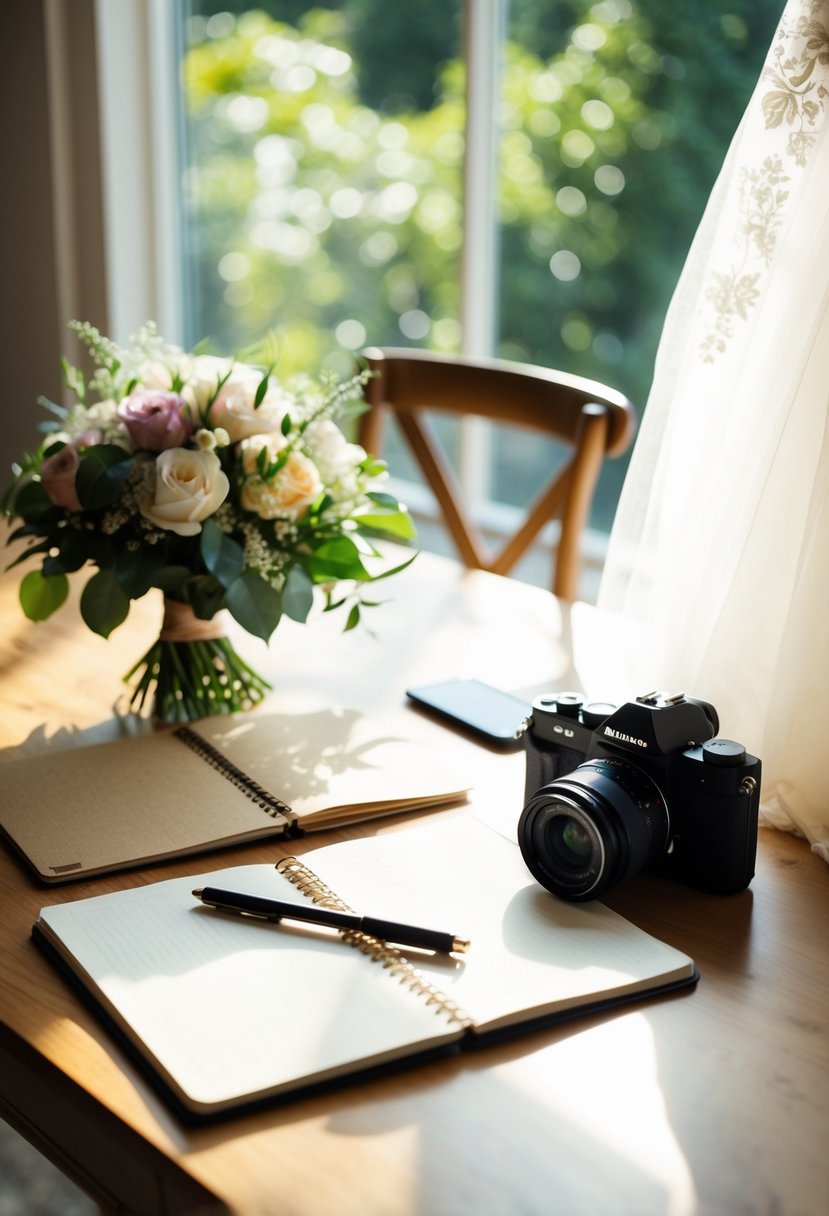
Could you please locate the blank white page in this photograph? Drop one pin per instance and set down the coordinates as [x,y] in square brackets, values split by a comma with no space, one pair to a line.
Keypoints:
[531,952]
[229,1006]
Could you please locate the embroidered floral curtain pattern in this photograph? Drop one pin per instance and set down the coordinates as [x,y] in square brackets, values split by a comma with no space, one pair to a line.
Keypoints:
[721,540]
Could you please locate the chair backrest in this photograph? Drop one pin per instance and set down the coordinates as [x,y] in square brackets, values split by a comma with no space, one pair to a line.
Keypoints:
[591,419]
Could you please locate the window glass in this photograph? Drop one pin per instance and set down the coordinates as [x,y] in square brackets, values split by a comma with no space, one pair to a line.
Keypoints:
[323,180]
[324,153]
[615,119]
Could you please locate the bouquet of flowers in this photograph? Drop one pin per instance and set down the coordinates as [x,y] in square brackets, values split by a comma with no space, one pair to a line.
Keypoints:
[209,479]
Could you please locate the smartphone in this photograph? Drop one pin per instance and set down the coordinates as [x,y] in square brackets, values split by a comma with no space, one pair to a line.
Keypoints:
[491,715]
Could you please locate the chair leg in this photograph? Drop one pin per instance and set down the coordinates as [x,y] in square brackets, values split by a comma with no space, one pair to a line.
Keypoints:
[584,473]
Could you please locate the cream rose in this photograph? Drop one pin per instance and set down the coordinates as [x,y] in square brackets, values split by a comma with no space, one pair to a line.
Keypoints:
[286,495]
[189,486]
[250,448]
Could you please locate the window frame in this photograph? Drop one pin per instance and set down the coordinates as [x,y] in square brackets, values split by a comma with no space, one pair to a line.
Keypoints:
[142,145]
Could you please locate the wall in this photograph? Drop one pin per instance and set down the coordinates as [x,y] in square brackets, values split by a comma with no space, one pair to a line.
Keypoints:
[51,240]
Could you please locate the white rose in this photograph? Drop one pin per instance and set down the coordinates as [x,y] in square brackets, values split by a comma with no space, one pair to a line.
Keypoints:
[156,375]
[286,495]
[189,486]
[201,375]
[234,407]
[331,452]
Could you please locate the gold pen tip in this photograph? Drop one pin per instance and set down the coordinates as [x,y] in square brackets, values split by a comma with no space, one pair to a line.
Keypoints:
[199,891]
[460,945]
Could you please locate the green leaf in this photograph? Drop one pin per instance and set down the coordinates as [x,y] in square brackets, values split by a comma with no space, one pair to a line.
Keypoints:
[222,555]
[353,619]
[33,551]
[261,389]
[334,560]
[137,571]
[397,524]
[101,475]
[73,552]
[206,596]
[297,594]
[104,605]
[41,596]
[373,466]
[33,504]
[285,425]
[384,500]
[171,580]
[376,578]
[254,604]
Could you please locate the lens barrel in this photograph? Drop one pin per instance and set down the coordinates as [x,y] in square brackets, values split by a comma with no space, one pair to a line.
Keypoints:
[584,833]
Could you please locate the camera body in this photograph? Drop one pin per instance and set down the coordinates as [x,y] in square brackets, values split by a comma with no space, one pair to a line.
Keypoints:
[611,791]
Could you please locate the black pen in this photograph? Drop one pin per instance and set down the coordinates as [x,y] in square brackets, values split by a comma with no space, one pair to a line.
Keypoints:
[313,914]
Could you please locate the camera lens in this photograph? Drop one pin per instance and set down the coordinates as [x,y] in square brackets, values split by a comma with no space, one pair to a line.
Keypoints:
[583,833]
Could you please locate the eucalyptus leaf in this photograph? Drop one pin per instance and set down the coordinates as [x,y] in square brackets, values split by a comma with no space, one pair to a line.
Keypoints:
[254,604]
[41,596]
[104,605]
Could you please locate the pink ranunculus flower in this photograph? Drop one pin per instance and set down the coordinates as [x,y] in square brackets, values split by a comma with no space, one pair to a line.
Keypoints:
[156,421]
[57,476]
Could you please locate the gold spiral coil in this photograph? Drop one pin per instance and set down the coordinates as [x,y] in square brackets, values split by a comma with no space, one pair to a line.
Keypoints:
[236,776]
[389,957]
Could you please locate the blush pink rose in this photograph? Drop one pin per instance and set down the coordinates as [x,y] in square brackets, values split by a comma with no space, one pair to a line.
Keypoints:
[57,476]
[156,421]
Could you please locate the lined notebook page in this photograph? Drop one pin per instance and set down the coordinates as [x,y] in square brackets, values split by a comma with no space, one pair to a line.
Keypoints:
[228,1007]
[531,953]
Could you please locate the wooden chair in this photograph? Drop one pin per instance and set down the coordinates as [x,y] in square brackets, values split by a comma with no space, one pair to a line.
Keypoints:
[589,418]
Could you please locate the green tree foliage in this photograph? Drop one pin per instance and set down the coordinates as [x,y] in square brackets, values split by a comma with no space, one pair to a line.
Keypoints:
[326,159]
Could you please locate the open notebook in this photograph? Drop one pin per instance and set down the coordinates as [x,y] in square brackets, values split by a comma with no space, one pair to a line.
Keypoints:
[228,1011]
[217,782]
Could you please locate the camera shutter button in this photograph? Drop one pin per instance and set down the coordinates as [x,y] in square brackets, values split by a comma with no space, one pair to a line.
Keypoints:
[724,753]
[596,712]
[568,704]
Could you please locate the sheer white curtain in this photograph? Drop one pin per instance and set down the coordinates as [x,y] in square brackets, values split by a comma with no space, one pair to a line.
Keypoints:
[721,541]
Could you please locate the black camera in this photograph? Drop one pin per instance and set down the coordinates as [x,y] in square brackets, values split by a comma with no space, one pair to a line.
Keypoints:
[646,786]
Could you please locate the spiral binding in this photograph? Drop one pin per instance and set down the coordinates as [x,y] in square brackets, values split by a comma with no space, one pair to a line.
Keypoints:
[379,951]
[252,789]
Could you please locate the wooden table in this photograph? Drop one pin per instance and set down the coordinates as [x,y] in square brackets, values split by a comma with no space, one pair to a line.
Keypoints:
[713,1101]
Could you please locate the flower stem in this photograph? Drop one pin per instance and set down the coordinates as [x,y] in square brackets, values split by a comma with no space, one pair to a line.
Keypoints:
[189,680]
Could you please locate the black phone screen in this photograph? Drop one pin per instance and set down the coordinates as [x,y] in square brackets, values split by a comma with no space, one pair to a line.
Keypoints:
[494,715]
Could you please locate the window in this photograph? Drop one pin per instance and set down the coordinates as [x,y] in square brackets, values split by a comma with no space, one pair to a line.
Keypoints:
[331,174]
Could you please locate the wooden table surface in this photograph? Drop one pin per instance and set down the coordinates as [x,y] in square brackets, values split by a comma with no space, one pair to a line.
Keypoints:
[712,1101]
